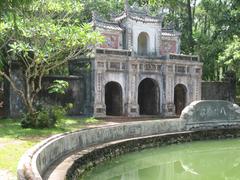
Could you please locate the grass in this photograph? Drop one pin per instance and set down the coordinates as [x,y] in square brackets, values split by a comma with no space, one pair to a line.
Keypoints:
[10,155]
[14,140]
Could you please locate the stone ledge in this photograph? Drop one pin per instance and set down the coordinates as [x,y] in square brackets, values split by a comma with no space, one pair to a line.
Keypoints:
[87,159]
[35,163]
[198,116]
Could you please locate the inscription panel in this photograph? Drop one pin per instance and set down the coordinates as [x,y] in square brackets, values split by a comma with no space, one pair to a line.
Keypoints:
[180,69]
[115,65]
[100,64]
[150,67]
[134,66]
[211,110]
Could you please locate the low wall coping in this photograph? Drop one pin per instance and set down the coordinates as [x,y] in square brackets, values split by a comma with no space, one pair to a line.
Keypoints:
[36,161]
[199,115]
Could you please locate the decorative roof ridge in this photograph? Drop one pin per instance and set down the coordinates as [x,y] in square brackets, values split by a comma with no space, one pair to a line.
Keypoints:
[135,10]
[96,18]
[170,32]
[99,21]
[168,29]
[118,17]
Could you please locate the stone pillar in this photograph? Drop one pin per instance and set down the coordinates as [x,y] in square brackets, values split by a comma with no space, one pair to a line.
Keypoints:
[16,105]
[168,106]
[197,83]
[129,41]
[133,109]
[158,43]
[99,89]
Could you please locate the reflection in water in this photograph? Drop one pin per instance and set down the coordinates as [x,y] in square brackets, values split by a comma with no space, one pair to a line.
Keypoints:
[179,167]
[206,160]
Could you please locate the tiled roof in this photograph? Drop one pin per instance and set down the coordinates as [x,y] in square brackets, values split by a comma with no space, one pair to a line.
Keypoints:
[108,25]
[98,21]
[145,18]
[167,32]
[139,14]
[138,17]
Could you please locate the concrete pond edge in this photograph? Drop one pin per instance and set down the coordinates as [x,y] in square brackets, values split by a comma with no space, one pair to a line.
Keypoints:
[85,160]
[36,161]
[196,118]
[85,157]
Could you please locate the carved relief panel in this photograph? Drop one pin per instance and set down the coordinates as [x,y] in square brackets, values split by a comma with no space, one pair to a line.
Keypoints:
[168,46]
[111,41]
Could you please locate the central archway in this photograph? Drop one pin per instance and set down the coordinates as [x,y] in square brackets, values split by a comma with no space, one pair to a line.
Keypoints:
[113,99]
[180,98]
[143,43]
[148,97]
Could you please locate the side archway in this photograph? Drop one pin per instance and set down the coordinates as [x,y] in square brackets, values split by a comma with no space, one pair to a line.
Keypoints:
[180,98]
[113,99]
[148,97]
[143,44]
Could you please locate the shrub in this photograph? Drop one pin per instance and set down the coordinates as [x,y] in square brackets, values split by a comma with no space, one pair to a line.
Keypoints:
[43,118]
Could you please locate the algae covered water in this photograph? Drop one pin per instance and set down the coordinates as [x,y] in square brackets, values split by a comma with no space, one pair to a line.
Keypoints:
[203,160]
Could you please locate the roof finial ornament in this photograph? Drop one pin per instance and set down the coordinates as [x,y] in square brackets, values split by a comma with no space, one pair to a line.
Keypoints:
[93,15]
[126,5]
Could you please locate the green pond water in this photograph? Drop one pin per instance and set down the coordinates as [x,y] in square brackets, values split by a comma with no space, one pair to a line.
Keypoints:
[203,160]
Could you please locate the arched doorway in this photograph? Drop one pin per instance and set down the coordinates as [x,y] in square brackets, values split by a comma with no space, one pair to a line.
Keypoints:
[113,99]
[180,92]
[148,97]
[143,43]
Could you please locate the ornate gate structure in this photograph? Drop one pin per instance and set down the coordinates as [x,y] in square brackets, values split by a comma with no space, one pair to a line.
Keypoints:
[141,65]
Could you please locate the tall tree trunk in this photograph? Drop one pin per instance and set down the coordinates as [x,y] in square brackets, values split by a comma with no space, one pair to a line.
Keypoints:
[205,25]
[190,24]
[193,10]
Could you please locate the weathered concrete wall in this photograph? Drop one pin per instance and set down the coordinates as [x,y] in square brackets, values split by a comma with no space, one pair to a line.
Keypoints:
[42,156]
[87,159]
[84,67]
[200,116]
[217,91]
[221,90]
[73,94]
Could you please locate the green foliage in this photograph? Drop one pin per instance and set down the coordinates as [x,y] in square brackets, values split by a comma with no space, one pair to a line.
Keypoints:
[11,129]
[16,140]
[44,118]
[42,36]
[230,57]
[104,7]
[58,87]
[214,23]
[46,34]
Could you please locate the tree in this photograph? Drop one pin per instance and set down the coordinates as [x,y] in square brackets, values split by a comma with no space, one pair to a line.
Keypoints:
[42,37]
[230,57]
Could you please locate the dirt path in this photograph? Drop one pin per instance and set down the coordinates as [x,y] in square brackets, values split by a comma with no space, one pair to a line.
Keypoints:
[5,143]
[6,175]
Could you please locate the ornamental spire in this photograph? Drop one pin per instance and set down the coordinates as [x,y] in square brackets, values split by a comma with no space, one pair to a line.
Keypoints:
[126,5]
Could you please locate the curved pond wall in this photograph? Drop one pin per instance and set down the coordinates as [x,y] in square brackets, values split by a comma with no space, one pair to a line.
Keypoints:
[85,160]
[35,163]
